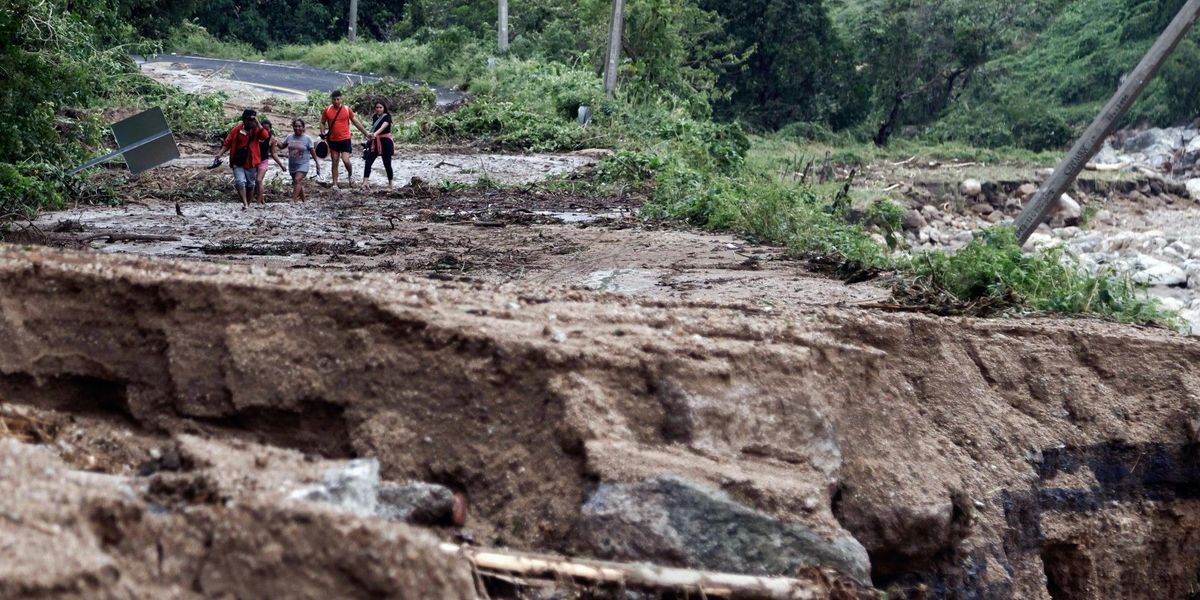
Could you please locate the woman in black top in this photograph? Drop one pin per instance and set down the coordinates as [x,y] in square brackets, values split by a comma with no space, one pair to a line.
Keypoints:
[266,149]
[380,144]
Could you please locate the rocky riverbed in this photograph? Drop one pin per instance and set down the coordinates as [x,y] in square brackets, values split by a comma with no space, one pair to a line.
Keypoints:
[1139,224]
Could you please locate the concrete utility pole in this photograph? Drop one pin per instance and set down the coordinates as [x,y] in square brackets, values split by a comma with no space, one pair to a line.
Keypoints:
[353,20]
[1087,146]
[503,27]
[614,47]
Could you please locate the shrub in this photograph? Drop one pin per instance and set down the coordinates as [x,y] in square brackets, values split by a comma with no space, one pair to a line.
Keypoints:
[400,97]
[992,275]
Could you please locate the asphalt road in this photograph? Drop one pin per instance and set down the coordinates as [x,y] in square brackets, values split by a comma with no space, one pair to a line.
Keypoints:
[296,79]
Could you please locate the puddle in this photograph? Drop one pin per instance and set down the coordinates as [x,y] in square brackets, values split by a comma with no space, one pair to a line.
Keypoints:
[623,281]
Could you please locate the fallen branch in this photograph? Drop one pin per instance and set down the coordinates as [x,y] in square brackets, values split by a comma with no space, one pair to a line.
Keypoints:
[654,578]
[1107,167]
[128,237]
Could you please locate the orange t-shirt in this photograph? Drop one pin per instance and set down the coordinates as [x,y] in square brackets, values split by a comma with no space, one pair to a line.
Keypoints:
[340,127]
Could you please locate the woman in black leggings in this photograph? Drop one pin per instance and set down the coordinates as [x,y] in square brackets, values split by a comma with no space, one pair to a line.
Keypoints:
[381,144]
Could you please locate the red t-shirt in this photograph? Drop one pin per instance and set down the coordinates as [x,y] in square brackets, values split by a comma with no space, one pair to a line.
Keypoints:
[340,128]
[238,138]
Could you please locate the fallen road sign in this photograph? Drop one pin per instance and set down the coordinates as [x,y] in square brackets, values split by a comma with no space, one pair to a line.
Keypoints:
[144,139]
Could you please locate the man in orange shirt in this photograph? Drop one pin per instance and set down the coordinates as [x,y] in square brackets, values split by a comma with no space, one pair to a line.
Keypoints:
[243,146]
[339,117]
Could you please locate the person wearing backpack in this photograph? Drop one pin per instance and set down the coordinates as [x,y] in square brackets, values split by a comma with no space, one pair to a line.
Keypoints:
[245,153]
[338,116]
[266,149]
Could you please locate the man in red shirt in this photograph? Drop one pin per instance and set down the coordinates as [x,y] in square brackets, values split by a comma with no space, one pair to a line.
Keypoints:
[243,146]
[339,117]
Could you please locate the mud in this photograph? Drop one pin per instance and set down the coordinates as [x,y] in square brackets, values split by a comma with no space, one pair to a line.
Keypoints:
[940,445]
[533,237]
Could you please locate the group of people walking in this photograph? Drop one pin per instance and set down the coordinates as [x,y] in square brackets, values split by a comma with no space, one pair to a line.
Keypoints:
[252,143]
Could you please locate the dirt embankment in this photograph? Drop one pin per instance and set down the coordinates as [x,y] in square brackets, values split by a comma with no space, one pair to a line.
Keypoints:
[1001,459]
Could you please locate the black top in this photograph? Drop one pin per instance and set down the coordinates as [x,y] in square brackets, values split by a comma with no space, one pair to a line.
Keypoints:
[381,119]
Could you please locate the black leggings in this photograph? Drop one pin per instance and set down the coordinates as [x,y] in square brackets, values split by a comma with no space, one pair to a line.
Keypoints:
[387,165]
[386,156]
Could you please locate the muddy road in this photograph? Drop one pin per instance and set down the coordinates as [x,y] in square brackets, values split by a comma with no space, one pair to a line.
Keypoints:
[510,235]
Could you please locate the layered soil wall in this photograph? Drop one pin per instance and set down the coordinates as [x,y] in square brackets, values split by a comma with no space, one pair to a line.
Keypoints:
[984,459]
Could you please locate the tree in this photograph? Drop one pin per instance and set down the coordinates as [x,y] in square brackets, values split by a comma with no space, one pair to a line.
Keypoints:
[799,69]
[916,55]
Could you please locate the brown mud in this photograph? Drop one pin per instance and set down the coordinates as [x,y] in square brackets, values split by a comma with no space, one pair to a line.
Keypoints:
[991,459]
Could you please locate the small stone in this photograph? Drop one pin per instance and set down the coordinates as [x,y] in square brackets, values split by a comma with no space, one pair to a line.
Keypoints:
[983,208]
[1027,190]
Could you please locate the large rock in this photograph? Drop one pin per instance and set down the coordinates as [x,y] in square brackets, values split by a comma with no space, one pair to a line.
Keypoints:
[416,502]
[671,521]
[970,187]
[352,488]
[1152,271]
[1068,209]
[913,221]
[1193,188]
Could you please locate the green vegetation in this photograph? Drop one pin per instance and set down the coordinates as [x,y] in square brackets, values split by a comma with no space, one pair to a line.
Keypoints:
[62,68]
[857,81]
[992,275]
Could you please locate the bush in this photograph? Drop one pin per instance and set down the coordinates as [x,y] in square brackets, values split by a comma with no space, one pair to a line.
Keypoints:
[190,38]
[399,97]
[992,275]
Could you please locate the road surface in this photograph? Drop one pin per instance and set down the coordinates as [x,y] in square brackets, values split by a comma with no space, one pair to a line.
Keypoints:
[284,78]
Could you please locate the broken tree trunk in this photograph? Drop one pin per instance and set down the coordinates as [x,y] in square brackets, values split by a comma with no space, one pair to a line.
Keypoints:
[654,578]
[1089,144]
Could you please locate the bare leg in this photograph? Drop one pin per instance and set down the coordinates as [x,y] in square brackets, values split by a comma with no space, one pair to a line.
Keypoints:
[260,175]
[335,156]
[242,194]
[349,173]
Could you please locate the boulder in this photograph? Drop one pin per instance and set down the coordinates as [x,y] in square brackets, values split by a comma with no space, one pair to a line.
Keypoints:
[970,187]
[351,487]
[1068,208]
[672,521]
[354,487]
[1193,188]
[416,502]
[913,221]
[1152,271]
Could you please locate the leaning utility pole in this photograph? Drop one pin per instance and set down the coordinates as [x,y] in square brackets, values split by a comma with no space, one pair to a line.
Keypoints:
[353,20]
[503,27]
[1088,145]
[614,47]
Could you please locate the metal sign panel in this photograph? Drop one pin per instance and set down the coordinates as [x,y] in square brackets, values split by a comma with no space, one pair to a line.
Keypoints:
[157,144]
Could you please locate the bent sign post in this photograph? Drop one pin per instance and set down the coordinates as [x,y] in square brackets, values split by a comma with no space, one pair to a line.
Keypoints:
[144,139]
[1089,144]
